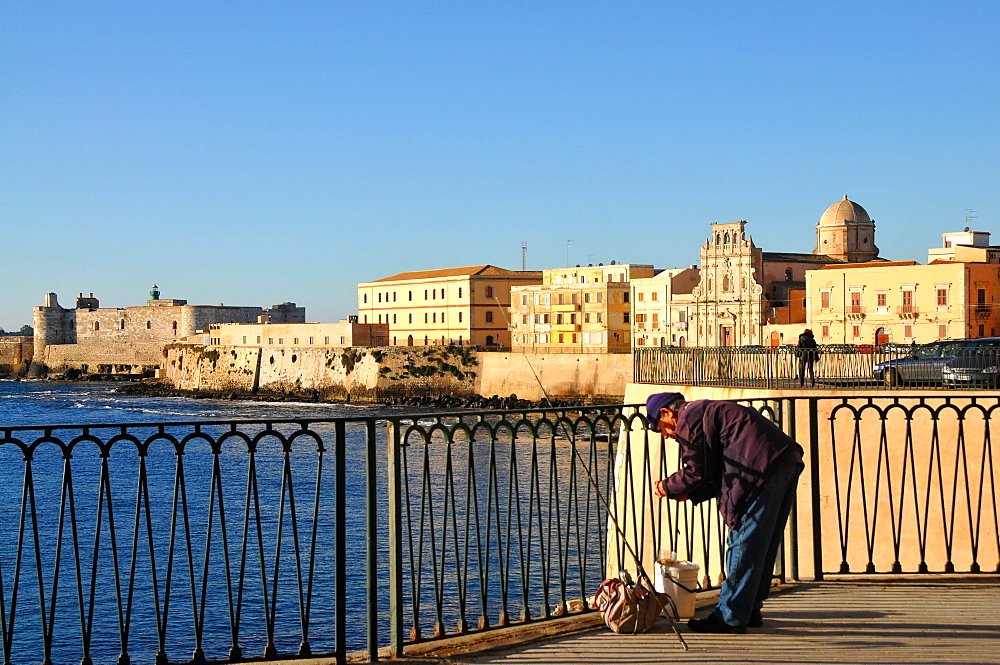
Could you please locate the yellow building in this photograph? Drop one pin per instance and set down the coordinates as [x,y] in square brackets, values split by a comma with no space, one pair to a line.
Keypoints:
[902,301]
[661,307]
[466,305]
[344,333]
[581,309]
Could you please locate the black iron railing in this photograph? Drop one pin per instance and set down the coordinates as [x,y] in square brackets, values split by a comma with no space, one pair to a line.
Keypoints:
[177,542]
[174,541]
[784,367]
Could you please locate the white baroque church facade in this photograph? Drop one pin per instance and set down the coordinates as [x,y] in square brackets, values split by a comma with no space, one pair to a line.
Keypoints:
[743,290]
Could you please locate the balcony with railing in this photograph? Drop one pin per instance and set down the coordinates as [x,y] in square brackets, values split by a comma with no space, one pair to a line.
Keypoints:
[226,540]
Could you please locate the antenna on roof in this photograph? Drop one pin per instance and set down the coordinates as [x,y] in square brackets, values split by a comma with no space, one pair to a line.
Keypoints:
[524,255]
[969,216]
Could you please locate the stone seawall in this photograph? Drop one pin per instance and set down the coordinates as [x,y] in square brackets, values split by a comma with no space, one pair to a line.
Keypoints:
[355,373]
[387,373]
[15,355]
[600,375]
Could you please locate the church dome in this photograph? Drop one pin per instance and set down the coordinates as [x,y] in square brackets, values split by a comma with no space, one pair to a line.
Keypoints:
[844,212]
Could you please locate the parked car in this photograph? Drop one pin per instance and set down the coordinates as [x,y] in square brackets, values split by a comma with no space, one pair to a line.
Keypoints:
[923,365]
[977,363]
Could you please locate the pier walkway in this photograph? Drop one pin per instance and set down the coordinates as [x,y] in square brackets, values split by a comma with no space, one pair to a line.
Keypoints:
[854,622]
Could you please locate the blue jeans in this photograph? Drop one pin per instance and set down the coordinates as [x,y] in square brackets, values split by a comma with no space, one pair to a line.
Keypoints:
[753,543]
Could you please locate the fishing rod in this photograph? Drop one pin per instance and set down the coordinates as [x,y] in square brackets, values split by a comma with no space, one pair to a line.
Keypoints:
[640,570]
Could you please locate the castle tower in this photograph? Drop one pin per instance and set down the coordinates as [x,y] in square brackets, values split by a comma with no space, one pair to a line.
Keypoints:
[53,325]
[846,233]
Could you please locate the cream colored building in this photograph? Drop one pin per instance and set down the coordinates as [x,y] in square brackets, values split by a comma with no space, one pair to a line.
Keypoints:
[965,246]
[345,333]
[465,305]
[903,302]
[581,309]
[661,307]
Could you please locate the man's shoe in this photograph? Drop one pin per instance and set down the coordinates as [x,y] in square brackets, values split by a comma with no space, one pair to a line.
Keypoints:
[756,620]
[714,624]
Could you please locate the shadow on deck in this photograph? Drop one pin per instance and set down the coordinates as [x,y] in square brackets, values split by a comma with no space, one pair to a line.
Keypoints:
[912,621]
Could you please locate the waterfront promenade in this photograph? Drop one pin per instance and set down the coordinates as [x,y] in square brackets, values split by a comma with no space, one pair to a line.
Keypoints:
[924,620]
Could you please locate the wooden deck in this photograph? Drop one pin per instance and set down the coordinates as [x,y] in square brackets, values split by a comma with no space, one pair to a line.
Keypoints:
[915,621]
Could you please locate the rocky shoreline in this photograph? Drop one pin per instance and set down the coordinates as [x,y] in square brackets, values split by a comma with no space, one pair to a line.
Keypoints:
[156,388]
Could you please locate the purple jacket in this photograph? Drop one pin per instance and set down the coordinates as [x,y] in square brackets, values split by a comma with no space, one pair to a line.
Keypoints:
[727,451]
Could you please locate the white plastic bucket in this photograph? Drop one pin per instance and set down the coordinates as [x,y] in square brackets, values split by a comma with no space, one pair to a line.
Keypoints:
[685,574]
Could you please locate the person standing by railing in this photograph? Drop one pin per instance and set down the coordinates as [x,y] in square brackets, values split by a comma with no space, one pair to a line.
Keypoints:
[807,352]
[732,453]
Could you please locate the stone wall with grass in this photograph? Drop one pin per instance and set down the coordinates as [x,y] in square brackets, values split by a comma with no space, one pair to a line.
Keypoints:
[353,373]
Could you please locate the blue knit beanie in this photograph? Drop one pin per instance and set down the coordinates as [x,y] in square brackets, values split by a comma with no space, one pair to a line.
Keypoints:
[655,403]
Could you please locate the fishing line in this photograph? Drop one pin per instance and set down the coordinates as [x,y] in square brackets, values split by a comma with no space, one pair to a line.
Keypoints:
[597,489]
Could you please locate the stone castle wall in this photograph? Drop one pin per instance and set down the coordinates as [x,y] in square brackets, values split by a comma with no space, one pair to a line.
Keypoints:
[131,337]
[105,357]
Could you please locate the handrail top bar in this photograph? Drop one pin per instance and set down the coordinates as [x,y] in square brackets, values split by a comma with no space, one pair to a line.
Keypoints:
[309,421]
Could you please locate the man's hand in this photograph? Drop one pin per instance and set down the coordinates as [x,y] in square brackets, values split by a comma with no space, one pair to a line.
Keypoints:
[660,490]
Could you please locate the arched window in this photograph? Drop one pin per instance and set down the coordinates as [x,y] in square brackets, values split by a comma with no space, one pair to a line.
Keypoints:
[411,321]
[788,274]
[380,297]
[149,325]
[364,298]
[460,292]
[174,327]
[727,237]
[442,294]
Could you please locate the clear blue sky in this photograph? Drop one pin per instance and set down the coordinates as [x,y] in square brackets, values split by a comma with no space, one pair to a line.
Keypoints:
[256,152]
